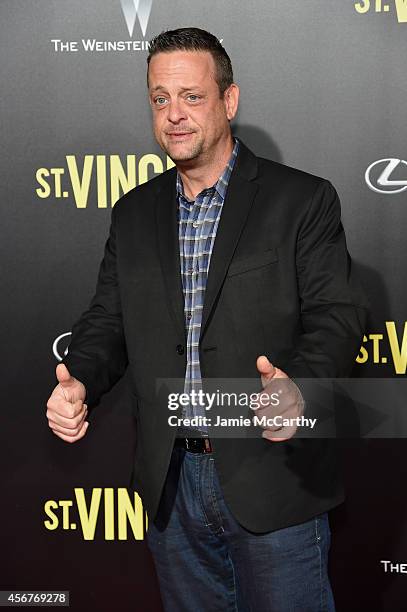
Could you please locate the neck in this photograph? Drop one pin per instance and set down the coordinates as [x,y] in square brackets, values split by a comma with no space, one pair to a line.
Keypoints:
[205,172]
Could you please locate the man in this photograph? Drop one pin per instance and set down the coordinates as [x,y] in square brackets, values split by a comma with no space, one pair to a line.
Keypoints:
[220,268]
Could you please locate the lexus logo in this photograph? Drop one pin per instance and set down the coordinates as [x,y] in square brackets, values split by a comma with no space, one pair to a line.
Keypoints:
[381,181]
[60,346]
[133,8]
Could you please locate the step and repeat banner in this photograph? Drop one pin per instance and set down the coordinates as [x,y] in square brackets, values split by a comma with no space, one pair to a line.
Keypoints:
[324,89]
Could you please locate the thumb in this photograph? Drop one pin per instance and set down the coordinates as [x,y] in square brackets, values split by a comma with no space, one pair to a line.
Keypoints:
[266,369]
[63,374]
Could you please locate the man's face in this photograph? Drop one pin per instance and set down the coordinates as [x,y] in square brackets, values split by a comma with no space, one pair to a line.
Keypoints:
[189,117]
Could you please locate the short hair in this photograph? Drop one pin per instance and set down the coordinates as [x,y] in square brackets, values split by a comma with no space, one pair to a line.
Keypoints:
[195,39]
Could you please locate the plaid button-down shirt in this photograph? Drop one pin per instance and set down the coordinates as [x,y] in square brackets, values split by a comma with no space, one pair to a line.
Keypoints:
[198,223]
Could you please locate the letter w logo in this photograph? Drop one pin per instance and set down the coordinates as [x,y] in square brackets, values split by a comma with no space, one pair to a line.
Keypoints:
[133,8]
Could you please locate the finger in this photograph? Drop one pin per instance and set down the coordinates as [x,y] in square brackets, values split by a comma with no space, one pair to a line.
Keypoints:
[57,405]
[283,434]
[74,409]
[284,406]
[73,438]
[68,385]
[270,436]
[271,415]
[279,373]
[60,409]
[269,425]
[262,401]
[65,430]
[63,375]
[270,397]
[67,424]
[69,410]
[264,366]
[266,369]
[269,412]
[284,392]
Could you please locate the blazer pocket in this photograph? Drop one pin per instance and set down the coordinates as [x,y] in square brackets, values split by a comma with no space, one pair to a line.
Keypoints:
[257,260]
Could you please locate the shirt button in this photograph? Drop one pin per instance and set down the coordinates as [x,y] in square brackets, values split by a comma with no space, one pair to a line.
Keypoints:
[195,224]
[180,349]
[189,315]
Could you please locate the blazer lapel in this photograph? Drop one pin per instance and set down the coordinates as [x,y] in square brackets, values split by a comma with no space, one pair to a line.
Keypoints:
[168,246]
[236,207]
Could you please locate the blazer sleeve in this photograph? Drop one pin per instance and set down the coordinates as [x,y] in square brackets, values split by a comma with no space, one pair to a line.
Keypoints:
[333,305]
[97,354]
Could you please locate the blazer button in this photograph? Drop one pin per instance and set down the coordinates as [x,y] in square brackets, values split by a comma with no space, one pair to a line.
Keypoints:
[180,349]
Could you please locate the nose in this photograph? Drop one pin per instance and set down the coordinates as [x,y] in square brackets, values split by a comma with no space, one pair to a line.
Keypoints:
[175,112]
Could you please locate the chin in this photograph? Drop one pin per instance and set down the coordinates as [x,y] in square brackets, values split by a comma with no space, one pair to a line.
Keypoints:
[178,154]
[181,157]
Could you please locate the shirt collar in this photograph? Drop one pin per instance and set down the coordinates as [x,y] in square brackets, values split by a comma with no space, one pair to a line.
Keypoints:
[221,184]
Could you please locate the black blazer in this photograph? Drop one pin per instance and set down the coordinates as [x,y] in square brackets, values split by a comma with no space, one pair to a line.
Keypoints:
[279,284]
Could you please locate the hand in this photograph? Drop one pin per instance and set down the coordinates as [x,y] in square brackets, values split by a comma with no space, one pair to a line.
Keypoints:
[291,403]
[66,411]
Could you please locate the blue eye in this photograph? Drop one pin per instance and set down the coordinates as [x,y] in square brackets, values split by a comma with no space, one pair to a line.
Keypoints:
[160,100]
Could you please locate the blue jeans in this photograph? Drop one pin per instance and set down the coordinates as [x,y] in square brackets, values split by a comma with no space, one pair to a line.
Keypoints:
[207,562]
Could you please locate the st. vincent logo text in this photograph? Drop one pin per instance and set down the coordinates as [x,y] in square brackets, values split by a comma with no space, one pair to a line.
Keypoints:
[110,509]
[106,173]
[383,6]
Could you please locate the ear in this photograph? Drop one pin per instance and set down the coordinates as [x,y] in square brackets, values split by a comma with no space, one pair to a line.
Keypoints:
[231,99]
